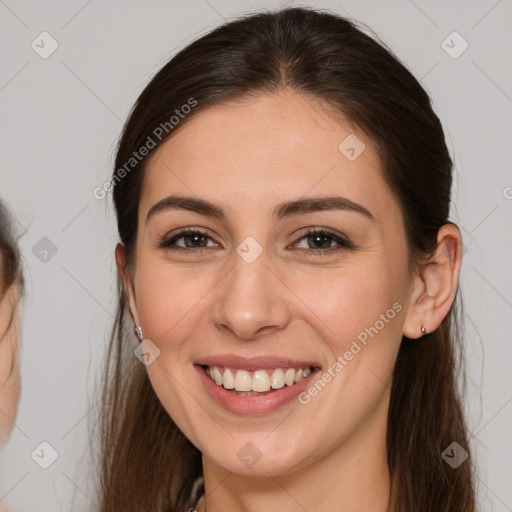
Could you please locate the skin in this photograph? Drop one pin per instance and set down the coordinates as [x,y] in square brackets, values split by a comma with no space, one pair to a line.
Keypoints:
[10,386]
[247,156]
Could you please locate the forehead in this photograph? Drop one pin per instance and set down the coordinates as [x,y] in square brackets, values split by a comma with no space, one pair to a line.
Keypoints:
[255,152]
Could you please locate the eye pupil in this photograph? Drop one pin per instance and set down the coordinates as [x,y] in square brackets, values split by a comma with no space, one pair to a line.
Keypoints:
[320,238]
[196,238]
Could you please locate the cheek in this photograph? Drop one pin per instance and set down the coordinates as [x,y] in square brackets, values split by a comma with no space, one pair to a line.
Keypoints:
[168,301]
[361,320]
[357,303]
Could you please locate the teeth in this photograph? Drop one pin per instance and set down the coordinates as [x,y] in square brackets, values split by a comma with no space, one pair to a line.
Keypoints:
[243,381]
[277,380]
[259,382]
[217,376]
[289,377]
[228,379]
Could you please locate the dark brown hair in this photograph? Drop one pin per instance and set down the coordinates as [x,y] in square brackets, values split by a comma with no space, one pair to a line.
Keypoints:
[10,269]
[147,463]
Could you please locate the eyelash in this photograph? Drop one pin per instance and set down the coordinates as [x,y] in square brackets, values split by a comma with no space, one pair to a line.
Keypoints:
[343,242]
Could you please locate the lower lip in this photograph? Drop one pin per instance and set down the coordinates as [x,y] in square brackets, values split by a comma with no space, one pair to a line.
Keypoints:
[254,404]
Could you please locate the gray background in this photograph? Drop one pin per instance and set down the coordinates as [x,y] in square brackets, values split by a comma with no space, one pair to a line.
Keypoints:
[60,119]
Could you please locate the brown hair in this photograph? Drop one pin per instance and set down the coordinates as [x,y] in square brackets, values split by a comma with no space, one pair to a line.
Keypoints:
[10,270]
[147,463]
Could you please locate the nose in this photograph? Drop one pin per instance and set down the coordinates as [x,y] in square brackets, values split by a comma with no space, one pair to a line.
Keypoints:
[252,301]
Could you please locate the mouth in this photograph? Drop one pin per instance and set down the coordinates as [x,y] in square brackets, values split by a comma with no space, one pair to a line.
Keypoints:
[255,388]
[258,382]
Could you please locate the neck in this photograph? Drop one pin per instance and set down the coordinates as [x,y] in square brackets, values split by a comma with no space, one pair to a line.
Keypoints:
[354,476]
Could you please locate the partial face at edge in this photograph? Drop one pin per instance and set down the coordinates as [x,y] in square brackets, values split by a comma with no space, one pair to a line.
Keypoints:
[291,301]
[10,385]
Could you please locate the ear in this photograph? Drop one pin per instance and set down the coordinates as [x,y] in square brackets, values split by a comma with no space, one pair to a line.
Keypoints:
[127,282]
[434,288]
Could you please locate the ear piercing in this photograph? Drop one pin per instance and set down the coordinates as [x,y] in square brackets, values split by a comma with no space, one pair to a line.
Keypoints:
[138,332]
[423,330]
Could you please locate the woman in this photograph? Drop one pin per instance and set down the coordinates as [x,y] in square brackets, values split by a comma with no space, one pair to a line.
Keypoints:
[282,189]
[10,287]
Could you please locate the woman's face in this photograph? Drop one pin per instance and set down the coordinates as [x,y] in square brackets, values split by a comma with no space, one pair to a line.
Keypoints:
[9,375]
[257,297]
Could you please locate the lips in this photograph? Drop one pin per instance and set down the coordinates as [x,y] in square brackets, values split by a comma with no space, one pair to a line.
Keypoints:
[255,363]
[256,385]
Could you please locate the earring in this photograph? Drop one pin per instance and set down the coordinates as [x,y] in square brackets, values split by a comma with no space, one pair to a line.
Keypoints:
[423,330]
[138,332]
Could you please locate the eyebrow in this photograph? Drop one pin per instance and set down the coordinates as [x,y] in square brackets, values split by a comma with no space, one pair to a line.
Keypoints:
[281,211]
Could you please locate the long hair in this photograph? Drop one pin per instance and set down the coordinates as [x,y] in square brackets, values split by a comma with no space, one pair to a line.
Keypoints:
[146,462]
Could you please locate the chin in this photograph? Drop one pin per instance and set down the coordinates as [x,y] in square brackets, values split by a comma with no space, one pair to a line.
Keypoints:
[257,455]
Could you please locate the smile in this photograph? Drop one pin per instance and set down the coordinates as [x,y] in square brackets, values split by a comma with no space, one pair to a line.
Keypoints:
[247,383]
[254,386]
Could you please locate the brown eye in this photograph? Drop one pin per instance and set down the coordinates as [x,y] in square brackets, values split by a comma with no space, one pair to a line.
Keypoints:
[321,240]
[193,239]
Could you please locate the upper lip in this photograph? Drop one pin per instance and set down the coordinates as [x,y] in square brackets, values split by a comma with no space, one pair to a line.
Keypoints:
[254,363]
